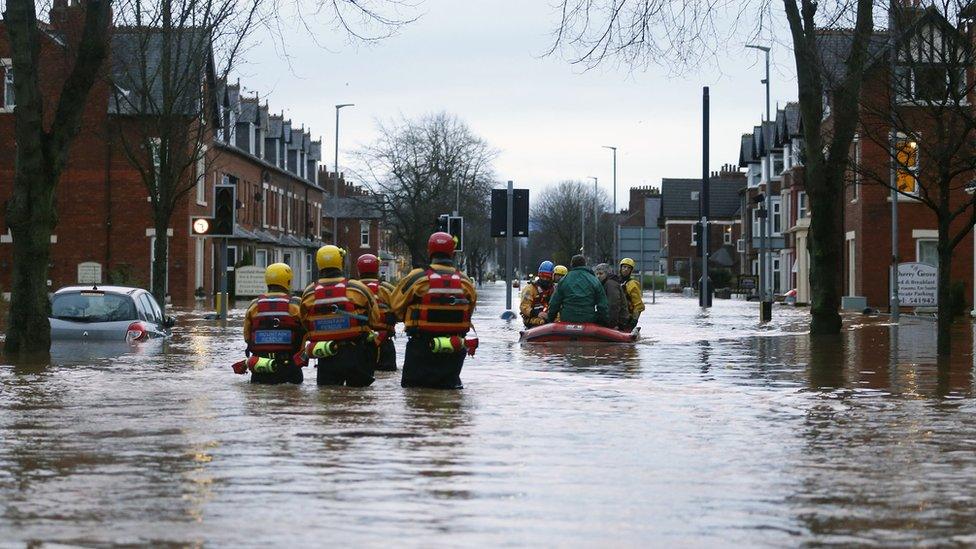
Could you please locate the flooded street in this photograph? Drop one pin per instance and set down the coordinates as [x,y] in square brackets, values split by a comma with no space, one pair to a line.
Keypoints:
[712,430]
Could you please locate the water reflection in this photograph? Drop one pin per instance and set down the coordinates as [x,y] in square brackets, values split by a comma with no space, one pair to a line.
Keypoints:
[762,433]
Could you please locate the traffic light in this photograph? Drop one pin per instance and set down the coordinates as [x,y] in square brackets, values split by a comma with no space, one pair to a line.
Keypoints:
[225,210]
[201,226]
[455,227]
[697,237]
[442,223]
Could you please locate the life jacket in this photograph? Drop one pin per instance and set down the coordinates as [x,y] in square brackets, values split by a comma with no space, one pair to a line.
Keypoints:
[542,296]
[444,309]
[385,311]
[272,328]
[333,316]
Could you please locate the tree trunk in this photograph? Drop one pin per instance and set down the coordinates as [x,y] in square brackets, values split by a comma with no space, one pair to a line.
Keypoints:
[160,260]
[826,246]
[944,338]
[29,331]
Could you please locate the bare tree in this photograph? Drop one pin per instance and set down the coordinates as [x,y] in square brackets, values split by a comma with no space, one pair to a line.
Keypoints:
[421,166]
[165,82]
[830,42]
[922,119]
[42,150]
[44,134]
[559,215]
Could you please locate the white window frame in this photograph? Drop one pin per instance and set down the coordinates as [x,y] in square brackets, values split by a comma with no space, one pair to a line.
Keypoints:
[777,274]
[918,250]
[756,228]
[795,150]
[198,255]
[281,209]
[776,175]
[913,170]
[851,266]
[776,204]
[202,176]
[364,230]
[231,251]
[740,245]
[802,205]
[857,169]
[261,258]
[7,88]
[289,201]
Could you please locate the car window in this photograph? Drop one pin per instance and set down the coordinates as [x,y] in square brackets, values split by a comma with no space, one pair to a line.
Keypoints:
[145,313]
[155,307]
[93,306]
[148,306]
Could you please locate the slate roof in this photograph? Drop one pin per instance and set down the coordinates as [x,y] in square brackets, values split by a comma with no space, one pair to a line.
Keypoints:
[747,151]
[677,202]
[794,126]
[315,151]
[835,45]
[274,126]
[137,72]
[249,110]
[365,207]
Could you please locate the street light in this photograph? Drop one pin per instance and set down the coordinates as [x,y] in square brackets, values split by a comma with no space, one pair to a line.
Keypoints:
[616,245]
[335,178]
[595,231]
[765,255]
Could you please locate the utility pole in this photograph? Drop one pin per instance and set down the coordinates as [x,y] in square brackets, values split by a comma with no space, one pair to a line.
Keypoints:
[596,232]
[509,227]
[616,234]
[766,230]
[704,296]
[335,178]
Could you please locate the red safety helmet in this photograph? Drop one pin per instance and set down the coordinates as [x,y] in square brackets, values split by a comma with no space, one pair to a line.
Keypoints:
[368,264]
[440,243]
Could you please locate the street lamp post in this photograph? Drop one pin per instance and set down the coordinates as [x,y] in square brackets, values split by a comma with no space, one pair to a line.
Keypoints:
[616,242]
[335,178]
[765,252]
[596,232]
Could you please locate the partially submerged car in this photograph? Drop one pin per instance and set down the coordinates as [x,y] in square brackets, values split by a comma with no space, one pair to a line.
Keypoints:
[107,313]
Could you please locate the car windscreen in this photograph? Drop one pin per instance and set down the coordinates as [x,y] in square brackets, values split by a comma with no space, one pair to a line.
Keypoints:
[93,307]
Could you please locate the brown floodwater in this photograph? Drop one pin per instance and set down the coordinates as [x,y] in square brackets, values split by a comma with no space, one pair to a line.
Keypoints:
[712,430]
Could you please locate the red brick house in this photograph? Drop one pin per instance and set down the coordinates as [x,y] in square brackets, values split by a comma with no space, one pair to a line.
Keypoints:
[359,214]
[868,204]
[105,221]
[680,253]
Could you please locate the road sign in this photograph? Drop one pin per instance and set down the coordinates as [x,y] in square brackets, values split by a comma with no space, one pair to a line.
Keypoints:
[520,212]
[918,285]
[201,226]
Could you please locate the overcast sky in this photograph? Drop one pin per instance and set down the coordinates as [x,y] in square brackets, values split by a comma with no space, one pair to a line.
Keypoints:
[482,61]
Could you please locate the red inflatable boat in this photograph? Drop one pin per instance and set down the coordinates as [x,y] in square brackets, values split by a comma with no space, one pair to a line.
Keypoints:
[583,333]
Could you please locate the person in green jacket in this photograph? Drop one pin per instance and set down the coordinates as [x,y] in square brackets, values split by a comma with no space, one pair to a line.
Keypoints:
[579,297]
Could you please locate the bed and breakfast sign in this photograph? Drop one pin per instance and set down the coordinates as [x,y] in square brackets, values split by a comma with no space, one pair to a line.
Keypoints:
[918,285]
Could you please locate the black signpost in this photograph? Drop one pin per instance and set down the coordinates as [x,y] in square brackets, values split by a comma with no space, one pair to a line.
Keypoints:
[509,218]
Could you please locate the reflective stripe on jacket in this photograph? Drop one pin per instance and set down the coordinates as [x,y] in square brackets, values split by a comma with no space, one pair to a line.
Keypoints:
[273,324]
[437,300]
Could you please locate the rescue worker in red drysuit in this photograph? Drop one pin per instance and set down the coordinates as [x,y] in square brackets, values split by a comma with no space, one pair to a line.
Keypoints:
[340,317]
[435,305]
[535,296]
[368,266]
[273,331]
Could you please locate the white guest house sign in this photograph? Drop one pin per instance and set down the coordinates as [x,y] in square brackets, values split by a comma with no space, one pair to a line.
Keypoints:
[918,285]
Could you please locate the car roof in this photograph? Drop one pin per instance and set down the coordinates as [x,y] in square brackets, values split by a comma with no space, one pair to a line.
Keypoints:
[108,289]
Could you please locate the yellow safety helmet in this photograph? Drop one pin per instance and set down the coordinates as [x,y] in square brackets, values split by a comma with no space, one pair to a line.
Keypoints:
[329,257]
[628,262]
[560,270]
[278,274]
